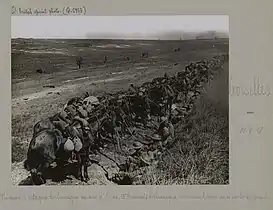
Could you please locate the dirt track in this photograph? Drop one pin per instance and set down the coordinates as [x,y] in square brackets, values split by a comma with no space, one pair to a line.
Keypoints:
[31,102]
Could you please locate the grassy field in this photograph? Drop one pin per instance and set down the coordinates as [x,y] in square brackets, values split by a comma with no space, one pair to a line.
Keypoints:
[206,146]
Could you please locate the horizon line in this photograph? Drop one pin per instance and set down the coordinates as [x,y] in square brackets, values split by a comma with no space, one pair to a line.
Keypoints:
[151,36]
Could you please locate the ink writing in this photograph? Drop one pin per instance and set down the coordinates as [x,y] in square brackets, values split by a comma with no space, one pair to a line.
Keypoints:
[257,88]
[48,11]
[250,130]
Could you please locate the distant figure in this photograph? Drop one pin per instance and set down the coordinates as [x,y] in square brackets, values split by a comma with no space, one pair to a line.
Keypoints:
[79,60]
[144,54]
[105,59]
[40,71]
[177,49]
[132,88]
[86,95]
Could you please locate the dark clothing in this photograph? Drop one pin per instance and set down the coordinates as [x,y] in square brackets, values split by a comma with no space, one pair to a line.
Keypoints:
[133,89]
[79,61]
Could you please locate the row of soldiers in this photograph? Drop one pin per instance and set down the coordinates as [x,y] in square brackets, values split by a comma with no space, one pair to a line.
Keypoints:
[155,98]
[190,79]
[79,59]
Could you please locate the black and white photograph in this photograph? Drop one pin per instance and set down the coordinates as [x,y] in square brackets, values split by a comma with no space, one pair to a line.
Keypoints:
[120,100]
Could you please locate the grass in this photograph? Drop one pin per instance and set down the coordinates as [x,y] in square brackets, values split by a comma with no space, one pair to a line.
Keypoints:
[202,157]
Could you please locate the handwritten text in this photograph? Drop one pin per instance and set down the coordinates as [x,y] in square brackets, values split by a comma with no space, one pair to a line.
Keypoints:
[49,11]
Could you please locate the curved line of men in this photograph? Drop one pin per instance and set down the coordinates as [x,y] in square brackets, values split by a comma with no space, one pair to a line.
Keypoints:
[96,119]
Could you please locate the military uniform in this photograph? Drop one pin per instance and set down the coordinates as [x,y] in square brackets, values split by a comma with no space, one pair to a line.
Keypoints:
[143,106]
[133,160]
[170,95]
[166,131]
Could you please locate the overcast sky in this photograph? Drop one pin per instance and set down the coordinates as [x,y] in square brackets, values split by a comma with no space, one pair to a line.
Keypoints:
[125,26]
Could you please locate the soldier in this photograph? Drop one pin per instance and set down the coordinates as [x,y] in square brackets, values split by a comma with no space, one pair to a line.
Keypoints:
[134,161]
[132,88]
[72,112]
[144,106]
[169,97]
[166,131]
[89,103]
[105,60]
[63,116]
[120,110]
[82,112]
[78,136]
[79,60]
[77,108]
[86,95]
[166,75]
[73,142]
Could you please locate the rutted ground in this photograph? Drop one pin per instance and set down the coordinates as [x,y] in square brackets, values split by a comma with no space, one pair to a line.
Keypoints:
[98,78]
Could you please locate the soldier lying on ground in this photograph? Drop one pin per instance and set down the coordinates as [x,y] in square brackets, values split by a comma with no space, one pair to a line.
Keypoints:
[135,164]
[139,157]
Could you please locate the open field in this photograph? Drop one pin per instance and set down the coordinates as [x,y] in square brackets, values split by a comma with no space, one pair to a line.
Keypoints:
[31,101]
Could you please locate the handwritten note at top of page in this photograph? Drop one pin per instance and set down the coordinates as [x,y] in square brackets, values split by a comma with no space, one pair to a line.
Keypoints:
[55,11]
